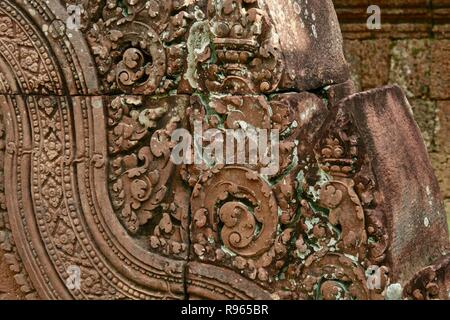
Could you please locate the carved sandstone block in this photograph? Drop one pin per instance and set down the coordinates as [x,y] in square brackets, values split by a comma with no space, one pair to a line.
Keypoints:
[408,195]
[45,56]
[310,42]
[205,150]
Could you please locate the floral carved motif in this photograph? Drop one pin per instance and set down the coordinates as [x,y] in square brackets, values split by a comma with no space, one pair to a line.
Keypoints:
[143,187]
[88,177]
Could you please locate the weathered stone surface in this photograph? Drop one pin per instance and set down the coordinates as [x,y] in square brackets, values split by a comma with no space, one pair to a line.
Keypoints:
[440,69]
[9,288]
[401,19]
[164,59]
[410,46]
[409,196]
[336,93]
[94,204]
[425,113]
[431,282]
[311,43]
[447,208]
[49,58]
[441,158]
[410,67]
[363,56]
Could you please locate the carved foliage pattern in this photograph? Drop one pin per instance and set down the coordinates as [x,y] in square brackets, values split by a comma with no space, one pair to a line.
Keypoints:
[306,231]
[143,187]
[139,45]
[59,224]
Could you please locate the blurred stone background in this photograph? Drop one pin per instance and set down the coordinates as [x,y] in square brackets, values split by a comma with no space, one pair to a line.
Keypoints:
[412,49]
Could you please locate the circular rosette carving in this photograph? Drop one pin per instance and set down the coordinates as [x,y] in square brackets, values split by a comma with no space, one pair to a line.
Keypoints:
[334,276]
[131,56]
[430,283]
[142,67]
[235,208]
[239,225]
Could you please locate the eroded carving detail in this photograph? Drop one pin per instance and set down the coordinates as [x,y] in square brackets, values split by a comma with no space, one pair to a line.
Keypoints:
[144,187]
[105,195]
[140,46]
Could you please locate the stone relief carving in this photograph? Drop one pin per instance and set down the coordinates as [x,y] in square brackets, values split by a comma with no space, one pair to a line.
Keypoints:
[87,178]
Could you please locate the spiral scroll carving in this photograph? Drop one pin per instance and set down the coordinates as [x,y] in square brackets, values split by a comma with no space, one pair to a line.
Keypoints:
[141,69]
[88,182]
[240,210]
